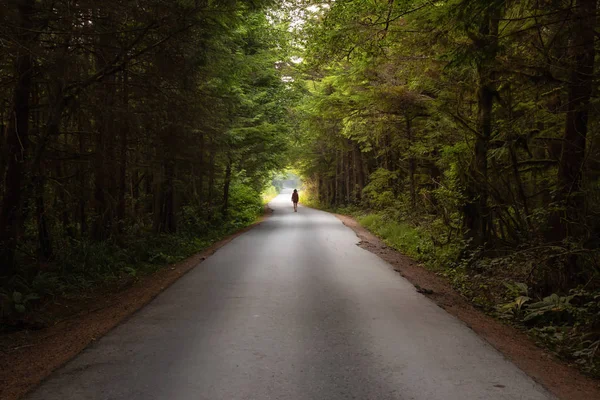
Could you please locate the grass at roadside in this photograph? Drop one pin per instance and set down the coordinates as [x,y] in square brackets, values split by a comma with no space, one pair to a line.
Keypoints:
[399,235]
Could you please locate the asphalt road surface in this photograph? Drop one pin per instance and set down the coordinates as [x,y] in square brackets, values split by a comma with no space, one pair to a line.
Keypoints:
[292,309]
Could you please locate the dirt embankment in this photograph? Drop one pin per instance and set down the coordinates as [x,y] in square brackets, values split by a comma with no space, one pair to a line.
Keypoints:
[27,357]
[562,380]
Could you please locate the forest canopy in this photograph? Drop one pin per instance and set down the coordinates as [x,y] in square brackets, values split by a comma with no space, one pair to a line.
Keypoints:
[464,131]
[473,116]
[132,132]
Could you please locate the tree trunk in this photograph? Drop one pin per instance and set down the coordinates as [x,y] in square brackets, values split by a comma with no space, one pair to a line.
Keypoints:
[572,158]
[201,172]
[169,216]
[3,147]
[211,171]
[165,221]
[411,165]
[475,211]
[519,182]
[105,163]
[226,185]
[100,208]
[83,228]
[571,164]
[355,192]
[361,171]
[124,131]
[17,141]
[347,173]
[45,245]
[337,180]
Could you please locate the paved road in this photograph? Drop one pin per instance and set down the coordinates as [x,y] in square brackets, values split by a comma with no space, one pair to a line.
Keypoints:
[292,309]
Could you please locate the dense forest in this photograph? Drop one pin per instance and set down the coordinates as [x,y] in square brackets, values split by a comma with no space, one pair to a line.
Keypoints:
[132,133]
[466,133]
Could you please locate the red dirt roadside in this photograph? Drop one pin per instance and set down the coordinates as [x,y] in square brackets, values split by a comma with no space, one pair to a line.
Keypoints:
[28,357]
[563,381]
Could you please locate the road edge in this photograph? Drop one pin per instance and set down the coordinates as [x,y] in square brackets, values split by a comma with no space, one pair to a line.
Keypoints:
[64,341]
[563,381]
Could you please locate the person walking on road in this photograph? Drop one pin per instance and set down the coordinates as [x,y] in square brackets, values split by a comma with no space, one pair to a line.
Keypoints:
[295,199]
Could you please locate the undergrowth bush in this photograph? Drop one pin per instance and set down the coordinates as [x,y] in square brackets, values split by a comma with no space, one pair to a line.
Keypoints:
[309,199]
[245,206]
[270,193]
[567,324]
[378,194]
[82,266]
[416,242]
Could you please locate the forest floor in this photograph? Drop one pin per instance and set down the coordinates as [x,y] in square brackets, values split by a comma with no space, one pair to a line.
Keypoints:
[27,357]
[563,380]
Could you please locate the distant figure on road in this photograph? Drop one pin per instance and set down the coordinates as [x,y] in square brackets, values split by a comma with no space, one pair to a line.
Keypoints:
[295,199]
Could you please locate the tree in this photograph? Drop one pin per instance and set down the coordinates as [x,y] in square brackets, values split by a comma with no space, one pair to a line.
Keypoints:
[469,115]
[133,120]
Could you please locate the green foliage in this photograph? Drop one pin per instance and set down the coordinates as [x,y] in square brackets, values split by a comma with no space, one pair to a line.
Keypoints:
[441,126]
[181,119]
[15,302]
[308,198]
[378,193]
[246,206]
[401,236]
[270,193]
[87,265]
[553,309]
[566,324]
[515,308]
